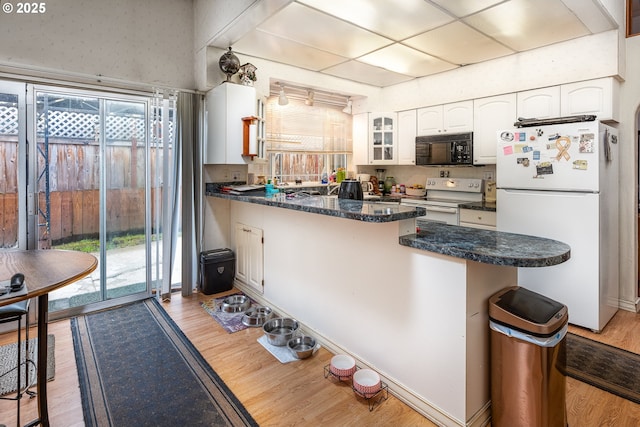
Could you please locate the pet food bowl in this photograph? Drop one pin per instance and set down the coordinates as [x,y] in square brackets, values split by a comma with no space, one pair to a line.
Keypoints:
[302,347]
[256,316]
[366,382]
[235,303]
[342,366]
[280,330]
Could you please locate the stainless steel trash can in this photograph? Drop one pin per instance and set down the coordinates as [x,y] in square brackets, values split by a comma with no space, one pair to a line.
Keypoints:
[217,270]
[528,359]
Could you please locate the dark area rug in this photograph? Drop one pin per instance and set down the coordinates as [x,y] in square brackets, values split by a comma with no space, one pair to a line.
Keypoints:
[609,368]
[136,368]
[231,322]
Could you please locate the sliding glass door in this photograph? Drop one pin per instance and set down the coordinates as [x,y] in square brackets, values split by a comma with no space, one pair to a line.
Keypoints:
[91,163]
[94,172]
[13,215]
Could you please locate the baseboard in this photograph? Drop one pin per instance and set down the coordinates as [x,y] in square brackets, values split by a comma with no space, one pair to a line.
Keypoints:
[633,306]
[405,395]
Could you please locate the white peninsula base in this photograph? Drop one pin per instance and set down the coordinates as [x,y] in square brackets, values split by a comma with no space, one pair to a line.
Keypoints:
[418,318]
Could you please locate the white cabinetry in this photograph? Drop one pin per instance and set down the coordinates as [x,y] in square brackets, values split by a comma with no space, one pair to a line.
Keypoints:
[382,140]
[599,97]
[407,137]
[448,118]
[478,219]
[490,115]
[540,103]
[360,137]
[249,256]
[226,105]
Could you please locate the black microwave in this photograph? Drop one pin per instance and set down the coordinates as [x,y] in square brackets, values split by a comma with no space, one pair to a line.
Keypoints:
[447,149]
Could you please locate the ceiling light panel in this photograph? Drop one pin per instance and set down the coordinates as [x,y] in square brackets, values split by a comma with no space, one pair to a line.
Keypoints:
[405,60]
[263,45]
[394,19]
[316,29]
[367,74]
[462,8]
[528,24]
[459,44]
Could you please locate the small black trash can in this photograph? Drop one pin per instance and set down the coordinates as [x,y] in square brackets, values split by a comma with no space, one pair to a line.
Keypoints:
[528,359]
[217,270]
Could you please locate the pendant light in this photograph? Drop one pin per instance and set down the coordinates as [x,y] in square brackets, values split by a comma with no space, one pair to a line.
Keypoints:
[282,100]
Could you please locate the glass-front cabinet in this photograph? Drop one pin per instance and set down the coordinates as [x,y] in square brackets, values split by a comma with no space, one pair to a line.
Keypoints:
[382,140]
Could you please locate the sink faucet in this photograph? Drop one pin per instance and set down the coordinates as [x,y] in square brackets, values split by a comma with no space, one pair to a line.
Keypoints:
[332,189]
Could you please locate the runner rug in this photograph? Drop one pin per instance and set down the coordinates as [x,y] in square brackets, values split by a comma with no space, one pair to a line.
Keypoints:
[136,368]
[609,368]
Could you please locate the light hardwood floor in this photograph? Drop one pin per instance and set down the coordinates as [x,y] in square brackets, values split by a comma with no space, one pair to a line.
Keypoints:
[297,393]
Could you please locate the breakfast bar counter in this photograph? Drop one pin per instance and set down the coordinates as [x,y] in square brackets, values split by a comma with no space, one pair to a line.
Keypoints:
[488,246]
[331,206]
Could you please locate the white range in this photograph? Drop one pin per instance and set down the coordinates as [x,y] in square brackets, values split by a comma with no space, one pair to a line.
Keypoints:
[444,197]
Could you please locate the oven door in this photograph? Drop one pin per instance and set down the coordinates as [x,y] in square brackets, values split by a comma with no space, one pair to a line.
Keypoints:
[444,214]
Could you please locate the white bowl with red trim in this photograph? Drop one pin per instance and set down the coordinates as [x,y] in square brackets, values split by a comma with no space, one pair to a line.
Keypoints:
[342,366]
[366,382]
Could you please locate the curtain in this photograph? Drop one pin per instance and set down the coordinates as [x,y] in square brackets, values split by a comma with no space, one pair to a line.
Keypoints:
[189,131]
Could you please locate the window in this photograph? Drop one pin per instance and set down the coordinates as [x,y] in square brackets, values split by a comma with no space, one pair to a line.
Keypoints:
[304,141]
[633,18]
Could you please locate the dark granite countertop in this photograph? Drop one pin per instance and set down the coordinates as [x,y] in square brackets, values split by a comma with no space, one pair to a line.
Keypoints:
[487,246]
[332,206]
[479,206]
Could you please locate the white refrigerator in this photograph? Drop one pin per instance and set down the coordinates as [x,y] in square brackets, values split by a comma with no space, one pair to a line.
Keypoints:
[561,182]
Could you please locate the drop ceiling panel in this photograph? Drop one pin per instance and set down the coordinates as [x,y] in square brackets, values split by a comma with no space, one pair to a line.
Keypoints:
[316,29]
[394,19]
[368,74]
[462,8]
[405,60]
[384,42]
[528,24]
[263,45]
[459,44]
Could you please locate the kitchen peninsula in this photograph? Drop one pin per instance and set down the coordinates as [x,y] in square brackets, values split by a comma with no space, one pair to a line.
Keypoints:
[412,306]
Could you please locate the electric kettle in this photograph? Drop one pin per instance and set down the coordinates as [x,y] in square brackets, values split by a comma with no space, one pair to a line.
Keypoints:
[350,189]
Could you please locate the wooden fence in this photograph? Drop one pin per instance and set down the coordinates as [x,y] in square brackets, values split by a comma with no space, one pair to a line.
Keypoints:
[74,179]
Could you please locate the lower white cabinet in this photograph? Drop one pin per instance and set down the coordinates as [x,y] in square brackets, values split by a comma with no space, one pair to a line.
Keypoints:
[249,256]
[478,219]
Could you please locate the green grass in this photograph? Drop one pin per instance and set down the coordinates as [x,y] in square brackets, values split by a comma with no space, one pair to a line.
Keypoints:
[93,245]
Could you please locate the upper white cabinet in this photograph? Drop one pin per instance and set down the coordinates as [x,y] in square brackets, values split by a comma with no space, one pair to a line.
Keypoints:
[599,97]
[489,116]
[360,136]
[541,103]
[407,137]
[382,139]
[226,105]
[448,118]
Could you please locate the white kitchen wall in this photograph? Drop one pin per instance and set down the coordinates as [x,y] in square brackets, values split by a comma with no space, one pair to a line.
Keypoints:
[143,41]
[628,129]
[575,60]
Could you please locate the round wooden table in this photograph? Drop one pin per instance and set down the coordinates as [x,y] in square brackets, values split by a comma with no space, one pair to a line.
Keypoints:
[44,271]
